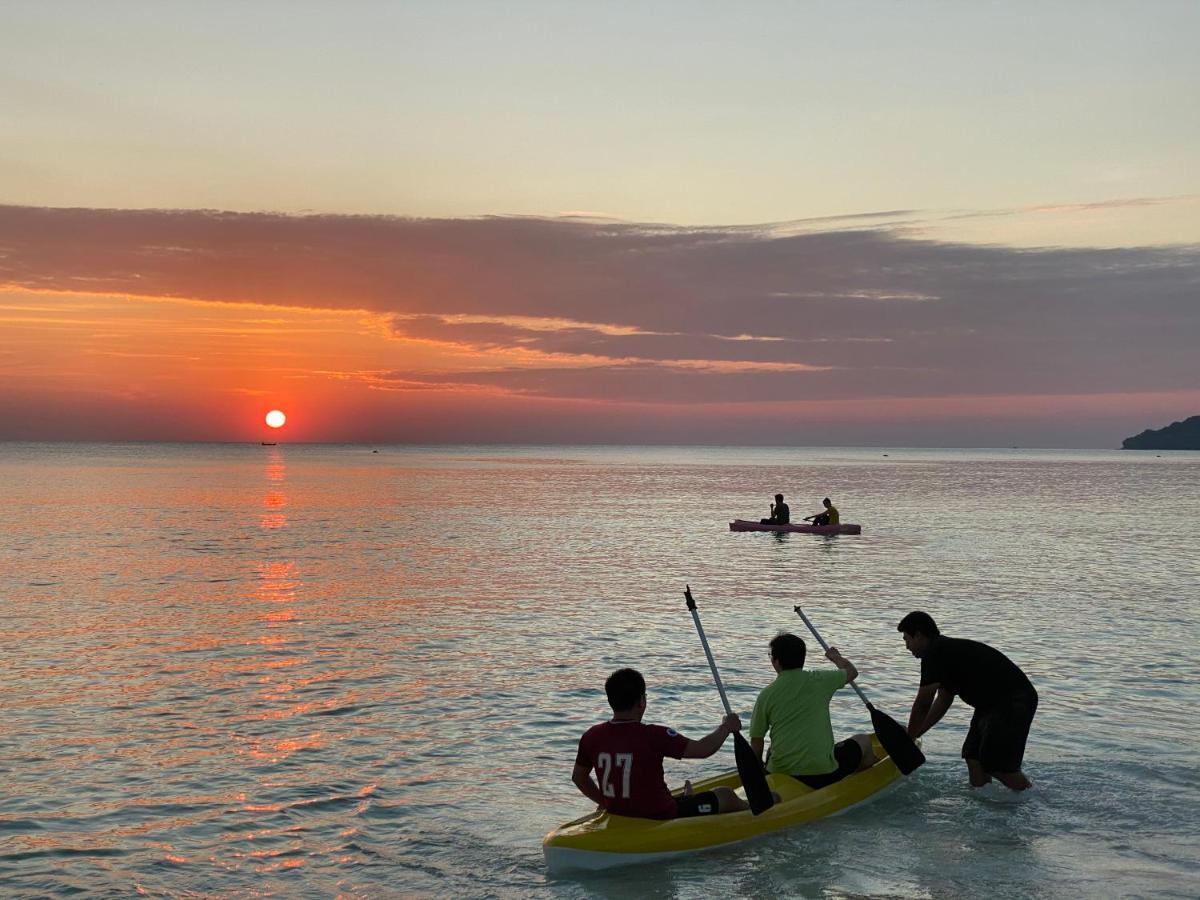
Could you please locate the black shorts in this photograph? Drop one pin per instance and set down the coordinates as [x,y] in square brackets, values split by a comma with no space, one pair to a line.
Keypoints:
[848,755]
[702,804]
[997,735]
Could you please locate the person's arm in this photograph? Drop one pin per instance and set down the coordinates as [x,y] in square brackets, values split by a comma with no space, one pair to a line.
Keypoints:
[930,705]
[711,743]
[760,724]
[758,745]
[920,708]
[835,657]
[582,776]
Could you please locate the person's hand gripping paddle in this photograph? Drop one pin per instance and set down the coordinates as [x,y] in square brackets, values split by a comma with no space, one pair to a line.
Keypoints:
[750,770]
[895,740]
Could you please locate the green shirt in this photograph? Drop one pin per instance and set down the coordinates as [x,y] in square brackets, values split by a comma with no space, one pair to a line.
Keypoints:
[794,709]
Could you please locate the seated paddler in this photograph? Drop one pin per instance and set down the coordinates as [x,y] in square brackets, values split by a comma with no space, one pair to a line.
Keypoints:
[794,711]
[781,514]
[829,516]
[627,756]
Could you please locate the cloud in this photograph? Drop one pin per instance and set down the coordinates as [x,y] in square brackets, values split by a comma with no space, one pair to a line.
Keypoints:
[652,313]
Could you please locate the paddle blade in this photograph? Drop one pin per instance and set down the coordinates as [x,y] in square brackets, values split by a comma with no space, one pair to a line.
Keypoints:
[754,779]
[895,740]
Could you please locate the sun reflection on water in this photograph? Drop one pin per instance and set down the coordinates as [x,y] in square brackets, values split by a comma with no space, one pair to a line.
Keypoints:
[275,501]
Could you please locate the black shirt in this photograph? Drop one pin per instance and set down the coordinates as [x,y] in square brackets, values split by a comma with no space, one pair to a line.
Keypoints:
[982,675]
[781,514]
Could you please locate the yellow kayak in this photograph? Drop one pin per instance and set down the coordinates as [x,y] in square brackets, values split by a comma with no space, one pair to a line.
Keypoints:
[600,841]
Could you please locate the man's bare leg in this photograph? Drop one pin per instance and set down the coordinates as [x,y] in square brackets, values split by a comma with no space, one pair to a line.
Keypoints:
[868,752]
[1017,781]
[728,801]
[976,774]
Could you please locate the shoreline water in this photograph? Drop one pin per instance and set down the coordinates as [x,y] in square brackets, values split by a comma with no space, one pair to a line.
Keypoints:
[307,671]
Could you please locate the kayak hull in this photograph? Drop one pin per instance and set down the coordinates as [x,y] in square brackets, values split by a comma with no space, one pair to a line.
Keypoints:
[602,841]
[746,525]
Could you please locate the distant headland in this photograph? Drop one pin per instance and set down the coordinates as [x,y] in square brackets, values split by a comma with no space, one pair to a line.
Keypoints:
[1183,435]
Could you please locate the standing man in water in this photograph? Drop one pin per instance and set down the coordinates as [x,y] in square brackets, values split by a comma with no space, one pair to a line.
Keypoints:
[1003,697]
[780,513]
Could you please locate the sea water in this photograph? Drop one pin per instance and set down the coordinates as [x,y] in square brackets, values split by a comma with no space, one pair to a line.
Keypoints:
[318,670]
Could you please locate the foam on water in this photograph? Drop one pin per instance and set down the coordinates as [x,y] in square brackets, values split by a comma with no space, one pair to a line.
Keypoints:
[319,670]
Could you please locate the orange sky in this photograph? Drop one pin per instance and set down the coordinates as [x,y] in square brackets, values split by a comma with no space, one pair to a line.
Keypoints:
[120,367]
[211,369]
[178,325]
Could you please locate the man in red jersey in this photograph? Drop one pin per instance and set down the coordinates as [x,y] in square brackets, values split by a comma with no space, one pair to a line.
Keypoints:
[627,756]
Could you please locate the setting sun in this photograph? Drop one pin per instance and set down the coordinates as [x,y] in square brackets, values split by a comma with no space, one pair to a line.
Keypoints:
[276,418]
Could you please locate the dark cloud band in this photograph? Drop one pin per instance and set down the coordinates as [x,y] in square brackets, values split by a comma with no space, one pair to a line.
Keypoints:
[631,311]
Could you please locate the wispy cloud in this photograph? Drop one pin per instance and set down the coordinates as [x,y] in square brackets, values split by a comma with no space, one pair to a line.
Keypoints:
[604,309]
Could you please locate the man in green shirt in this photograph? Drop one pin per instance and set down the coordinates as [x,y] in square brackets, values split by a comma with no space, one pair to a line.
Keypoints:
[794,710]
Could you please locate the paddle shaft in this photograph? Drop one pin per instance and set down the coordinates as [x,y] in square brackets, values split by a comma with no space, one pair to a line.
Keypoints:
[712,663]
[825,647]
[750,770]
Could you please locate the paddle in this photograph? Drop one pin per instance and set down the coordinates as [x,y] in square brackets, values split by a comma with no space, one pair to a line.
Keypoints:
[895,740]
[749,767]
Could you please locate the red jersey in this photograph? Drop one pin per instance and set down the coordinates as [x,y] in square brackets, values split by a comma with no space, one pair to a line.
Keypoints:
[628,757]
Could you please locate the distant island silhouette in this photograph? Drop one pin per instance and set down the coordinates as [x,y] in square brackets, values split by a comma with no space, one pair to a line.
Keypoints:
[1183,435]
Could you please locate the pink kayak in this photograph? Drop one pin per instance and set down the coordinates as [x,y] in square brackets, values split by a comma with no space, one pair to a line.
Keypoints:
[744,525]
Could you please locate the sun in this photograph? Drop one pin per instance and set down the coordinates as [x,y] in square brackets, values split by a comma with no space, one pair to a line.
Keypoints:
[276,418]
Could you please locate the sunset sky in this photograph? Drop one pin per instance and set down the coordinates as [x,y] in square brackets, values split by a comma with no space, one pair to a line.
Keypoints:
[924,224]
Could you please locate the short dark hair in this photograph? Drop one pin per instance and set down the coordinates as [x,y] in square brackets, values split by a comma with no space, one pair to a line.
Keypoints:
[779,497]
[917,622]
[624,687]
[789,650]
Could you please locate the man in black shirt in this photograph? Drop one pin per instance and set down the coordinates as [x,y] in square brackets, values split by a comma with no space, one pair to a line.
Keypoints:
[1003,697]
[780,513]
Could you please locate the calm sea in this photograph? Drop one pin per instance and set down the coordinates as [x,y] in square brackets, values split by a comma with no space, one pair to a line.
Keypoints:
[325,670]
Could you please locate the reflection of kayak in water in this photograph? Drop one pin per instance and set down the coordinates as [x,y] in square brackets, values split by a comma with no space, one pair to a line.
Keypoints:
[746,525]
[601,841]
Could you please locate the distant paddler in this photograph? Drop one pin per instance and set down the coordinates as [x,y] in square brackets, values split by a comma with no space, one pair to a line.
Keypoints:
[1003,697]
[830,516]
[781,514]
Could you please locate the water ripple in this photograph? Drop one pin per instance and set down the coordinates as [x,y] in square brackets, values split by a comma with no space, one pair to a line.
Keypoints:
[319,671]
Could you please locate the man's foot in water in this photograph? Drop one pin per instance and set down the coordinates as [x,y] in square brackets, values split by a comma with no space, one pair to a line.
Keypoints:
[975,773]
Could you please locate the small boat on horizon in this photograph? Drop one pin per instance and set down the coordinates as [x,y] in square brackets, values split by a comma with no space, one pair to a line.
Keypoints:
[745,525]
[268,443]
